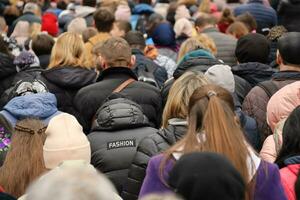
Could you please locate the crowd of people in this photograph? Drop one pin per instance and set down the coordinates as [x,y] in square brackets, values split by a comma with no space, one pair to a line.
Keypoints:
[149,99]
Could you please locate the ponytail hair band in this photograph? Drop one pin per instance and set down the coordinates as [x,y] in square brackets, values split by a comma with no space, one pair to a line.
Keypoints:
[211,93]
[30,131]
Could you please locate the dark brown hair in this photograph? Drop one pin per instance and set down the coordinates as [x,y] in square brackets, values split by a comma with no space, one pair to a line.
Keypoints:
[123,25]
[42,44]
[104,19]
[24,161]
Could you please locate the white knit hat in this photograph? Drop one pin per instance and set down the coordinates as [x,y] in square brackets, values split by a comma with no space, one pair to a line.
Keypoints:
[65,141]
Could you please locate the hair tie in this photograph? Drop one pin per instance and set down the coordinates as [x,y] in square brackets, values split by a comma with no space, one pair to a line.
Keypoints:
[211,93]
[30,131]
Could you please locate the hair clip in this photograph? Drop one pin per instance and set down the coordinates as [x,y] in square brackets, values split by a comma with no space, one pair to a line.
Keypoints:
[211,93]
[28,130]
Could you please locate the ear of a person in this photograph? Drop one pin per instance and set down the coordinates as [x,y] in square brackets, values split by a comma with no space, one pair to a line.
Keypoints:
[278,58]
[132,61]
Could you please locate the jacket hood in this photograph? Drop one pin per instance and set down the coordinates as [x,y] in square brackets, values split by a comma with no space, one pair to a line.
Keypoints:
[83,11]
[253,72]
[118,114]
[143,9]
[199,60]
[41,106]
[7,66]
[293,164]
[70,77]
[175,131]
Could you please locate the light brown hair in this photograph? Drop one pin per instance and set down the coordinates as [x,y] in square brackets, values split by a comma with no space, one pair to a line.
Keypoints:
[237,29]
[207,42]
[24,161]
[68,50]
[179,95]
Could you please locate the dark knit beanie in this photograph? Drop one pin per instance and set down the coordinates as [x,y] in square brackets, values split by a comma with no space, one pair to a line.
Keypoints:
[206,176]
[289,47]
[4,196]
[253,47]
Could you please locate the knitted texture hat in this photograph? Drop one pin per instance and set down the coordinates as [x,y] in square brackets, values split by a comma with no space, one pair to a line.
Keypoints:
[65,141]
[252,47]
[206,176]
[50,24]
[222,76]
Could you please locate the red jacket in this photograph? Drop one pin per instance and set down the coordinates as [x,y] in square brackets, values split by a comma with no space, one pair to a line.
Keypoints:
[288,179]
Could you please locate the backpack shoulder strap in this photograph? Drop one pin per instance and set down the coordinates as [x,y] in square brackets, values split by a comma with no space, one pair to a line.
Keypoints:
[269,87]
[123,85]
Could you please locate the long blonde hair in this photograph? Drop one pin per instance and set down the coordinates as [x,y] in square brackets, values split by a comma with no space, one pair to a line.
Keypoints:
[213,127]
[207,42]
[68,50]
[187,46]
[179,95]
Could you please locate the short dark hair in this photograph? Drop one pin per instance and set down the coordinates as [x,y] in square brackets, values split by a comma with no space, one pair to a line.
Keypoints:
[90,3]
[123,25]
[248,20]
[88,33]
[204,20]
[136,40]
[42,44]
[104,20]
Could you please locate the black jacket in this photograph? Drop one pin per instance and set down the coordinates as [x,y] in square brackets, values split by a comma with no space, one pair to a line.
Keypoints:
[144,67]
[7,72]
[120,126]
[64,82]
[288,14]
[44,60]
[149,147]
[90,98]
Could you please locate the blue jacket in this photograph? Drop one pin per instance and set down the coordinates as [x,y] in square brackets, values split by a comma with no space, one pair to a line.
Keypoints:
[266,17]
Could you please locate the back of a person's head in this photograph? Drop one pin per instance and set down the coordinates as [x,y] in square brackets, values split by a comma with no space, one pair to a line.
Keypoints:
[65,141]
[24,160]
[289,47]
[72,181]
[121,49]
[136,40]
[227,16]
[68,50]
[237,29]
[204,20]
[194,175]
[180,93]
[164,35]
[104,20]
[42,44]
[248,20]
[31,7]
[88,33]
[276,32]
[90,3]
[252,47]
[123,25]
[77,25]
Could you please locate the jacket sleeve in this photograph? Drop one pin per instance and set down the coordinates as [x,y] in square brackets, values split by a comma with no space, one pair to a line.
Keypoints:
[146,149]
[268,151]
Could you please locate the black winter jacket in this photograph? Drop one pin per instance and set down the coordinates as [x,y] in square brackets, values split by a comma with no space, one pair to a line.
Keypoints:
[288,14]
[64,82]
[120,126]
[149,147]
[7,72]
[90,98]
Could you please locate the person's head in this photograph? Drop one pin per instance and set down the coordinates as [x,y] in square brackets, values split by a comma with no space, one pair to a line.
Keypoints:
[189,45]
[207,42]
[153,20]
[120,28]
[88,33]
[77,25]
[248,20]
[290,138]
[90,3]
[65,141]
[227,16]
[120,58]
[50,24]
[214,127]
[204,6]
[72,180]
[104,20]
[253,47]
[276,32]
[288,50]
[237,30]
[164,35]
[3,25]
[183,28]
[24,160]
[31,8]
[136,40]
[179,95]
[204,21]
[194,175]
[123,13]
[282,103]
[68,50]
[42,44]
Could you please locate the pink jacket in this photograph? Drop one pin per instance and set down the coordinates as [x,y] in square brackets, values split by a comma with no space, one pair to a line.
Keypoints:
[288,179]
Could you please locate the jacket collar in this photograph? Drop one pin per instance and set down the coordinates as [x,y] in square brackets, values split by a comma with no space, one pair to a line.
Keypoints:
[209,30]
[255,1]
[137,52]
[292,160]
[286,75]
[112,71]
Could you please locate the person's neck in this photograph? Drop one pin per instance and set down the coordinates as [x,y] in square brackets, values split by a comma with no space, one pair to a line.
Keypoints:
[283,67]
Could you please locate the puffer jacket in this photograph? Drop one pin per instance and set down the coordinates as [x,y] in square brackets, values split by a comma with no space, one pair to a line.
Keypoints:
[253,72]
[289,176]
[7,72]
[225,45]
[265,16]
[120,126]
[255,103]
[64,82]
[149,147]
